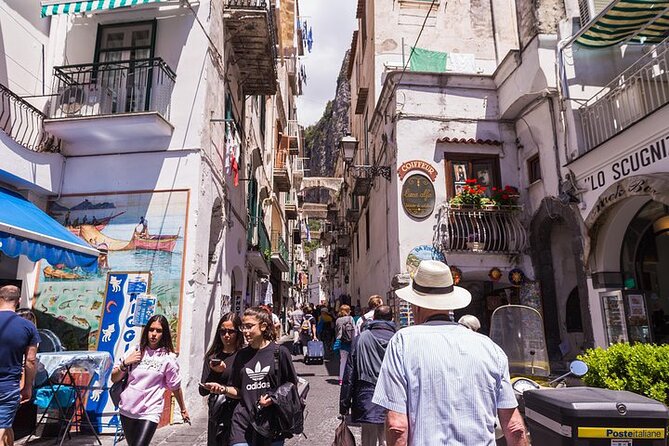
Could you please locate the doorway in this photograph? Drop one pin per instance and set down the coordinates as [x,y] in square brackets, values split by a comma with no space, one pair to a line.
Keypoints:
[123,62]
[645,261]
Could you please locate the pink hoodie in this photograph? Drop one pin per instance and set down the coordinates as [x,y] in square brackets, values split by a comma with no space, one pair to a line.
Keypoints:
[143,399]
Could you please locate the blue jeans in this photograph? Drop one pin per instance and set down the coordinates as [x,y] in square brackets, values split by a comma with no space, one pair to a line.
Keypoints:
[274,443]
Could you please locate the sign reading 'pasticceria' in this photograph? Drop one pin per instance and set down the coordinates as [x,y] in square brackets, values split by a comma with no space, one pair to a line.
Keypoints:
[417,165]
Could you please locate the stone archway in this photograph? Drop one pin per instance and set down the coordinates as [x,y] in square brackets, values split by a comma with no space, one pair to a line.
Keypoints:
[550,215]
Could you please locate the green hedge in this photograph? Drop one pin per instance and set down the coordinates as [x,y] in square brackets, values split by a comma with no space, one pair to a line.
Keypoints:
[638,368]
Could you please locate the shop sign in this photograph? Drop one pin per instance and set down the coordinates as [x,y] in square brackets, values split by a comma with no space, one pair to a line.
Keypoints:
[614,317]
[423,166]
[645,185]
[418,196]
[420,253]
[118,332]
[632,163]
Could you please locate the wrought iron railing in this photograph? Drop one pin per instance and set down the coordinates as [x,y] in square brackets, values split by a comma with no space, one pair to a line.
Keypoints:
[495,230]
[267,5]
[264,242]
[279,246]
[106,88]
[24,123]
[639,91]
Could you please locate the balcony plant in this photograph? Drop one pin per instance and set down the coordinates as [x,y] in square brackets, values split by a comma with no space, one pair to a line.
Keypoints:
[472,195]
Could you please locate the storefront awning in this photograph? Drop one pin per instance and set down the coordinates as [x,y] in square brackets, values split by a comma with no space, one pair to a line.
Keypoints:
[638,21]
[26,230]
[54,7]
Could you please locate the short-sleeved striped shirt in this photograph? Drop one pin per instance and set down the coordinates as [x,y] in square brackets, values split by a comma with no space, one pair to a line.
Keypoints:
[449,380]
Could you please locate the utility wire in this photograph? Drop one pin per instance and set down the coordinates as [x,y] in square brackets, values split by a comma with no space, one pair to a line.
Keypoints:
[413,48]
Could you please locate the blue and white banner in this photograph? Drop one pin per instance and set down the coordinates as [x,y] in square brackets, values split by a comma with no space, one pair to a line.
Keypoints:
[118,333]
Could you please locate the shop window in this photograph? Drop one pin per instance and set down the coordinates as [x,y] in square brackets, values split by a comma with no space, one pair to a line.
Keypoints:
[573,312]
[533,169]
[461,167]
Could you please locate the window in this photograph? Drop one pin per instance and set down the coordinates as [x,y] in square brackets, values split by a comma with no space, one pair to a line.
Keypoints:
[534,169]
[573,318]
[461,167]
[263,115]
[367,241]
[119,48]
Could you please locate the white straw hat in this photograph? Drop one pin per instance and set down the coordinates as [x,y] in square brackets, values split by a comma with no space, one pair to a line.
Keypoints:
[432,287]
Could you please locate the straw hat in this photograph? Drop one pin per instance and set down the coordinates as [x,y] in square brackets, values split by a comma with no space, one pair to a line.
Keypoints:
[432,287]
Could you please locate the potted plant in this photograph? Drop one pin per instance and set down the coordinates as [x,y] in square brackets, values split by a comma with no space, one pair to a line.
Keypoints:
[506,196]
[472,195]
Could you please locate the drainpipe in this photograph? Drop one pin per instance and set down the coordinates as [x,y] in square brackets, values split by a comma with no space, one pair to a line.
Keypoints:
[494,32]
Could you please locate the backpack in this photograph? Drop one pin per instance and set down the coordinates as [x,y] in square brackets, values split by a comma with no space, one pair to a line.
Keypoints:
[347,330]
[305,328]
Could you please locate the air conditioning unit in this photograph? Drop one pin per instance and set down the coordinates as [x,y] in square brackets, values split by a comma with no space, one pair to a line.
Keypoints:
[589,9]
[83,100]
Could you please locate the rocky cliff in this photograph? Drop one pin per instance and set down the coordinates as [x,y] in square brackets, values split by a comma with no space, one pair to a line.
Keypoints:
[322,139]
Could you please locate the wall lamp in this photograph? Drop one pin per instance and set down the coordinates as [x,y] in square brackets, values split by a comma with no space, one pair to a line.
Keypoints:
[348,146]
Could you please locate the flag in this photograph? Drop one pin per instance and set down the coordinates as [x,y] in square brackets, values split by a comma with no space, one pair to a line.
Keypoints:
[307,231]
[233,149]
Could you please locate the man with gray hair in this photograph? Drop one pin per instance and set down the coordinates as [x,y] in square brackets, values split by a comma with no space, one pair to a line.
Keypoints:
[18,353]
[442,383]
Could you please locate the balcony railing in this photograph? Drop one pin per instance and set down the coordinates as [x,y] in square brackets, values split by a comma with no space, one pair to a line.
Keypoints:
[264,242]
[107,88]
[24,123]
[639,91]
[253,38]
[279,246]
[488,231]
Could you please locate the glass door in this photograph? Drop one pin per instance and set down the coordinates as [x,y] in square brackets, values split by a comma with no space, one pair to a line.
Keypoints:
[125,52]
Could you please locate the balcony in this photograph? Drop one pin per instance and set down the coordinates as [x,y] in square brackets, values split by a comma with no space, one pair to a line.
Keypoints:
[293,132]
[94,104]
[281,175]
[252,32]
[298,172]
[279,252]
[290,208]
[259,252]
[24,123]
[293,69]
[481,231]
[636,93]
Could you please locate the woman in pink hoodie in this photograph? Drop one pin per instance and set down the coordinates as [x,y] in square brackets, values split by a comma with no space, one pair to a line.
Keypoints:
[151,368]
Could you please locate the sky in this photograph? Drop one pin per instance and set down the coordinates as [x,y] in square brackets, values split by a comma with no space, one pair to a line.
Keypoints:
[333,23]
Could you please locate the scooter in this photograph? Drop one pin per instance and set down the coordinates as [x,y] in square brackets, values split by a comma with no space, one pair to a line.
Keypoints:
[519,331]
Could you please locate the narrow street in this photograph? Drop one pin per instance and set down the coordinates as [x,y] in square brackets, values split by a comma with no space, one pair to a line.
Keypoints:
[320,423]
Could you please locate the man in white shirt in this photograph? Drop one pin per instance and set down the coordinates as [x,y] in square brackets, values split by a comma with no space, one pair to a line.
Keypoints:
[373,303]
[442,383]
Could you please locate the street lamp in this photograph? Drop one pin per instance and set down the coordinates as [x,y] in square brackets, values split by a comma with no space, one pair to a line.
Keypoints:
[348,146]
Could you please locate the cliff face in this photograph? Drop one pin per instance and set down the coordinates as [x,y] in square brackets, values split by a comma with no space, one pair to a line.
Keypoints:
[322,139]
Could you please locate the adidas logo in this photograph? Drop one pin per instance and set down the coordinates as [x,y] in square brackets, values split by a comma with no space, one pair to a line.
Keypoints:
[258,386]
[259,373]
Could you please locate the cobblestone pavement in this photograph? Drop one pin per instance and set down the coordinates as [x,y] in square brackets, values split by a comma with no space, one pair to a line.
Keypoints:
[320,424]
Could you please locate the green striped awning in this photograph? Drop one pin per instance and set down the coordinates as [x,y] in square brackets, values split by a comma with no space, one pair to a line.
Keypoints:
[51,7]
[638,21]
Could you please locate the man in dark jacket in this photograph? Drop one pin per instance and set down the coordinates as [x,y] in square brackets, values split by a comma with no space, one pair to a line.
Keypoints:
[361,374]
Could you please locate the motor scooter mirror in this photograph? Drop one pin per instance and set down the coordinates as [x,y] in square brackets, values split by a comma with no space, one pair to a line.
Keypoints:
[578,368]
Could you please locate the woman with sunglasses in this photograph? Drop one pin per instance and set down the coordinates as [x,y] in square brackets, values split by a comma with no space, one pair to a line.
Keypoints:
[151,368]
[254,374]
[216,374]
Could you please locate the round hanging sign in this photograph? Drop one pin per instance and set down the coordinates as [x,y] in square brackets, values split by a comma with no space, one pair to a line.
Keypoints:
[418,196]
[516,276]
[495,274]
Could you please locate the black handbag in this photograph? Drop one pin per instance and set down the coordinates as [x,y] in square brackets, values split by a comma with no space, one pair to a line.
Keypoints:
[117,389]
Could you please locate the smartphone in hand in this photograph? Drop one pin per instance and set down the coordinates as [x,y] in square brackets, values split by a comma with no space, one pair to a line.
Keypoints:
[215,362]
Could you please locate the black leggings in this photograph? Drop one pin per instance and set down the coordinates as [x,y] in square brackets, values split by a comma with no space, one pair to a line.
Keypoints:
[138,432]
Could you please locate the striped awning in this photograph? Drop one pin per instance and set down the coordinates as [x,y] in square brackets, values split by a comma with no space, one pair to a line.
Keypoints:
[51,7]
[637,21]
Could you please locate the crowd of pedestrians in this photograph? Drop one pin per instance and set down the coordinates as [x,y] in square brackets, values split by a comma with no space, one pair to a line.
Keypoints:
[437,382]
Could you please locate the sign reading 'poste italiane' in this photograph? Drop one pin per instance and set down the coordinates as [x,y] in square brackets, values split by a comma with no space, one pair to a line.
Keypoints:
[423,166]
